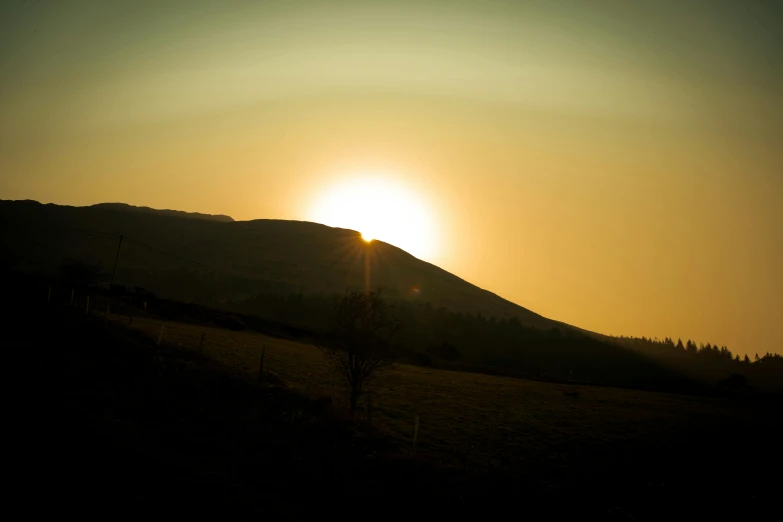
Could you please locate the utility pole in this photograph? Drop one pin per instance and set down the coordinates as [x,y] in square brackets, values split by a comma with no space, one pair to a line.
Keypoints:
[116,260]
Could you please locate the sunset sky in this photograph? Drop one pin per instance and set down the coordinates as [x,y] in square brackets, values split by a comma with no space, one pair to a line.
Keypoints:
[617,165]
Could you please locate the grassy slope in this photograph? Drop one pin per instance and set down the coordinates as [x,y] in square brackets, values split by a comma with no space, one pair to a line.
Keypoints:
[536,425]
[124,426]
[122,429]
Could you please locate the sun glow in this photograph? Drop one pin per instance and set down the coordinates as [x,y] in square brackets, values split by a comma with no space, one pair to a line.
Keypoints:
[380,210]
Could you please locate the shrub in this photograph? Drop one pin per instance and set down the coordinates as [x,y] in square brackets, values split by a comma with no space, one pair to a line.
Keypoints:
[230,322]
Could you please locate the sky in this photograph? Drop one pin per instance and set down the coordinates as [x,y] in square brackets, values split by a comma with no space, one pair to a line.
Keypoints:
[616,165]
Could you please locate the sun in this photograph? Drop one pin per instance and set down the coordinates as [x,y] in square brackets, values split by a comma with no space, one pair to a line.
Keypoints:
[380,209]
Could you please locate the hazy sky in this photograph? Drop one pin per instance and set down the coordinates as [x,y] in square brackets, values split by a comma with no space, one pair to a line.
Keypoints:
[617,165]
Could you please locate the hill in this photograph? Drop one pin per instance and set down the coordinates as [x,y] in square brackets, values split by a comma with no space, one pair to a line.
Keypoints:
[172,428]
[178,213]
[258,255]
[288,272]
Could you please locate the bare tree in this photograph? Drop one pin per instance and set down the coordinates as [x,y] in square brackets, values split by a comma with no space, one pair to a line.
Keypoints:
[361,339]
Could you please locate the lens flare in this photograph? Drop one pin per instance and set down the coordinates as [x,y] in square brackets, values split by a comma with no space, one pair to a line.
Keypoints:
[381,210]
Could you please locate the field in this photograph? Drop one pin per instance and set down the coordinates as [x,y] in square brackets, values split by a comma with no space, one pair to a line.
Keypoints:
[165,425]
[555,432]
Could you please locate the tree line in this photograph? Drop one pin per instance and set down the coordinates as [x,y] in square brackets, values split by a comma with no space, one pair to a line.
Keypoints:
[439,337]
[702,351]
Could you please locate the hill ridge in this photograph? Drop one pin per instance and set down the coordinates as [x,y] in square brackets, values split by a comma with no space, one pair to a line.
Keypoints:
[271,249]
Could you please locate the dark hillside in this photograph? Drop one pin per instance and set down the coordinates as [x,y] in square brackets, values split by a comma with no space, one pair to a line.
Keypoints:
[175,213]
[261,254]
[113,424]
[288,272]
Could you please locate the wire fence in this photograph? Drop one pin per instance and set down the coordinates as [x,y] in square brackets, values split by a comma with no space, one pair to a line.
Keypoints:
[281,362]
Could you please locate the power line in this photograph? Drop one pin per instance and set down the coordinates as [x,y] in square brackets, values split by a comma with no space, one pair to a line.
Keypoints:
[125,238]
[116,260]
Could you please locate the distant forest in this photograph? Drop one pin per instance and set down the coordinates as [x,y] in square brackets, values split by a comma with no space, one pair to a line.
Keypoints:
[704,353]
[439,337]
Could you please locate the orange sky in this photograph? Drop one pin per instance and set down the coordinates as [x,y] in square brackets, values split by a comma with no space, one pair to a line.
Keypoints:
[617,168]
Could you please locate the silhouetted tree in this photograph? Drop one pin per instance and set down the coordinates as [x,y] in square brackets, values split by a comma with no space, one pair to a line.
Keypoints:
[746,360]
[363,331]
[679,345]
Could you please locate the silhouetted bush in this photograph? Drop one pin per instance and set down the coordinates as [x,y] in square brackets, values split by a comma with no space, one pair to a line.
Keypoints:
[80,274]
[230,322]
[118,290]
[735,382]
[421,359]
[323,403]
[274,379]
[444,350]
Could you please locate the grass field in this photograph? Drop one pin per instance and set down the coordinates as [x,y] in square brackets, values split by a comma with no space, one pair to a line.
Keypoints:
[165,425]
[553,430]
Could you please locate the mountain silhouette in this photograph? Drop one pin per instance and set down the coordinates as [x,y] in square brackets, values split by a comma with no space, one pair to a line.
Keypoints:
[288,272]
[257,255]
[176,213]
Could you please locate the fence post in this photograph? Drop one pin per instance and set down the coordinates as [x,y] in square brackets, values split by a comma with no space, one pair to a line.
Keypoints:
[201,343]
[415,435]
[160,335]
[489,447]
[261,366]
[369,414]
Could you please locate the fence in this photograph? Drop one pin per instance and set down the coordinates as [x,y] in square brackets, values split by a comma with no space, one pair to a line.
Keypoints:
[280,361]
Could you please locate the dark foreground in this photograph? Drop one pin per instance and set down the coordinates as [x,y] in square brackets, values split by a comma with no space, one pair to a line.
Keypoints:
[120,428]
